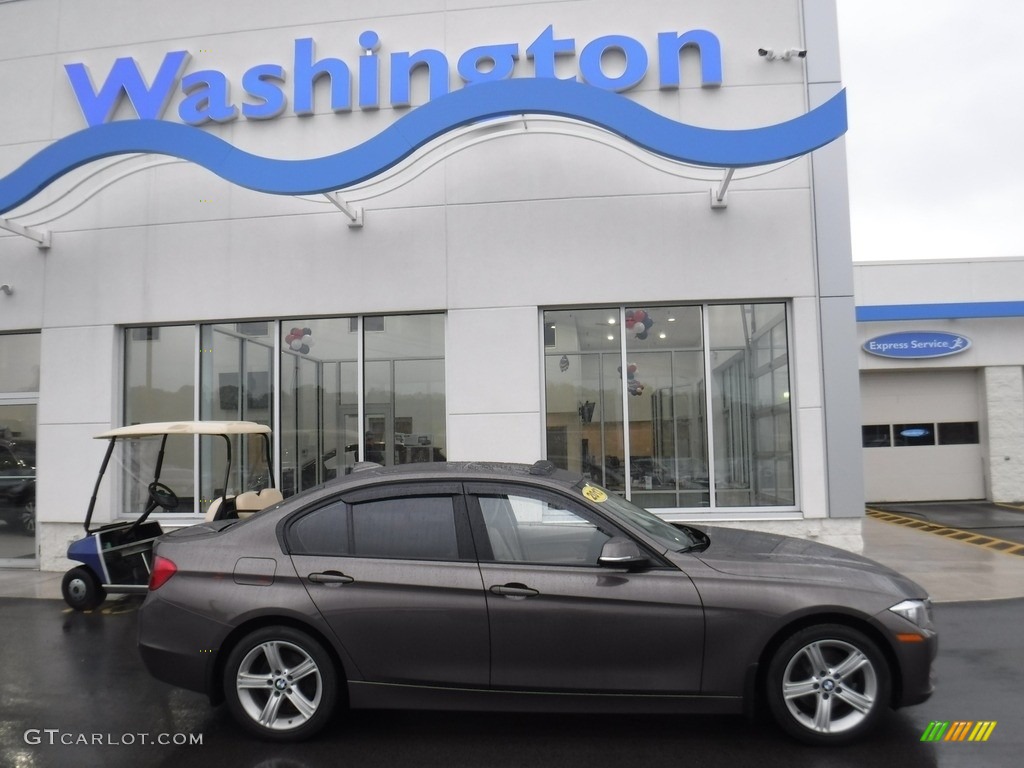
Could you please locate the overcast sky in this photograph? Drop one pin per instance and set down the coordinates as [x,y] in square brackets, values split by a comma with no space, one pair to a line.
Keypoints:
[936,138]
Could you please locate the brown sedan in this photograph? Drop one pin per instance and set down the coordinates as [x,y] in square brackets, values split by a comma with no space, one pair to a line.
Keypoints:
[515,587]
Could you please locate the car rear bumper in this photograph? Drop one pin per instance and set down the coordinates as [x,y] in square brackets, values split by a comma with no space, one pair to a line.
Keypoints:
[184,664]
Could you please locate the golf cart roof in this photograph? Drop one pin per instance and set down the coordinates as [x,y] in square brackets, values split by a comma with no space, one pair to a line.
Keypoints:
[187,428]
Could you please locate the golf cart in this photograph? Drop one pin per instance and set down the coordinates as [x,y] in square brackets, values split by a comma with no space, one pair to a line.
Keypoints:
[116,558]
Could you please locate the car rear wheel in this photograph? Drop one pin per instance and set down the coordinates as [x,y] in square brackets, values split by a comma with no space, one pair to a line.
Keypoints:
[828,684]
[81,589]
[280,684]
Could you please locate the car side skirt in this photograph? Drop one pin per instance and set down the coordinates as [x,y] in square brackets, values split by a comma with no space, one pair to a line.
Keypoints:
[366,695]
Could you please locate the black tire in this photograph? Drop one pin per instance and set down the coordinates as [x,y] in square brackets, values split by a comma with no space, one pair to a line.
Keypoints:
[263,696]
[81,589]
[828,684]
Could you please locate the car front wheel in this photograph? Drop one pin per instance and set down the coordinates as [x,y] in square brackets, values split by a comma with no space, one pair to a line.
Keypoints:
[828,684]
[280,684]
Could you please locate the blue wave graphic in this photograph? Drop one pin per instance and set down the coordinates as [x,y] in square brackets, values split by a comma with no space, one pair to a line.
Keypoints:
[472,104]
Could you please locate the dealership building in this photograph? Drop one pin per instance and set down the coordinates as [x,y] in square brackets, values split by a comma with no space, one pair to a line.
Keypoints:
[442,229]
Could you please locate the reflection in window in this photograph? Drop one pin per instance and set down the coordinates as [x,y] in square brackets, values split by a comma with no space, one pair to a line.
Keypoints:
[876,436]
[236,370]
[658,360]
[523,529]
[319,402]
[324,426]
[159,371]
[584,394]
[404,388]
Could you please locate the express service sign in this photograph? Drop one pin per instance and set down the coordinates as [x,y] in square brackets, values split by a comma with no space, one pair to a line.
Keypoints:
[917,344]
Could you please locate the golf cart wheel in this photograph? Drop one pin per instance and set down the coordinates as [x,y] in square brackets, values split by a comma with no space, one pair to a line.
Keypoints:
[828,684]
[280,684]
[81,589]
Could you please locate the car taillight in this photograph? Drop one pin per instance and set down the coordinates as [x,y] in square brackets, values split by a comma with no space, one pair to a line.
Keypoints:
[163,569]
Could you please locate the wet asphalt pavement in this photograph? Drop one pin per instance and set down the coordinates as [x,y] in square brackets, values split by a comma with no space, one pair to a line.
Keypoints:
[1002,521]
[74,693]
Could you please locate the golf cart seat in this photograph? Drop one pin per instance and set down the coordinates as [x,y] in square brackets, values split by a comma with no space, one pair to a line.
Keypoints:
[250,502]
[211,513]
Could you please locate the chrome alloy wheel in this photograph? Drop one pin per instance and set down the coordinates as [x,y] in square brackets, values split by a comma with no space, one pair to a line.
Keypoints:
[830,686]
[279,685]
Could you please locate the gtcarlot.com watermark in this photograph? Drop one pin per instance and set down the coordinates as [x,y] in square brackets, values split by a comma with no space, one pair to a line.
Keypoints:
[58,737]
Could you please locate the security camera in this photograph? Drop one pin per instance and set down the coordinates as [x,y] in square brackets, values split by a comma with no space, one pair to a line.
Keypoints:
[789,53]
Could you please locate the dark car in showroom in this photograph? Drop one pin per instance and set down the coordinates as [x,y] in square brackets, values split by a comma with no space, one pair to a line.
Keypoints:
[513,587]
[18,485]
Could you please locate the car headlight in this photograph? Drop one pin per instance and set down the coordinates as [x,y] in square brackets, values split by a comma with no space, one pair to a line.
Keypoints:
[918,612]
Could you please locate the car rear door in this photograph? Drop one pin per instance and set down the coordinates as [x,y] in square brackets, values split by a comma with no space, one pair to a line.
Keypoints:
[394,574]
[561,622]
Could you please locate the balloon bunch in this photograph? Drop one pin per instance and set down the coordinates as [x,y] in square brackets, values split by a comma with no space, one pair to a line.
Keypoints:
[299,340]
[634,387]
[639,322]
[563,364]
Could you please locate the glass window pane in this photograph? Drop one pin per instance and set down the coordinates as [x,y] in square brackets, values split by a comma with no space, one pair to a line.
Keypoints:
[524,529]
[319,402]
[321,532]
[237,384]
[411,528]
[19,362]
[750,396]
[404,419]
[664,379]
[958,433]
[584,393]
[159,385]
[875,436]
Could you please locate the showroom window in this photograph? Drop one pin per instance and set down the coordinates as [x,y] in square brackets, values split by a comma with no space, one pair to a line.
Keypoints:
[19,398]
[301,378]
[653,364]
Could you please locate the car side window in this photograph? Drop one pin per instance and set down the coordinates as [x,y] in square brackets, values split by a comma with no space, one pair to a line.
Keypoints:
[323,531]
[408,528]
[523,528]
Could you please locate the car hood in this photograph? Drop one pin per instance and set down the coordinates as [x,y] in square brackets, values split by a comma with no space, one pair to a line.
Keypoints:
[756,554]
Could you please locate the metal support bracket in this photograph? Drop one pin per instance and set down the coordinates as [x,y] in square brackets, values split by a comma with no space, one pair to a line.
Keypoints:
[40,236]
[354,213]
[718,198]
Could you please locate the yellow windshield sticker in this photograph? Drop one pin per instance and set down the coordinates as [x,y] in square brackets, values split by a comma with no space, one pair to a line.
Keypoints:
[594,494]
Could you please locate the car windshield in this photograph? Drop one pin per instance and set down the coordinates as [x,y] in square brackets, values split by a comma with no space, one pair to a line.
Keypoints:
[674,539]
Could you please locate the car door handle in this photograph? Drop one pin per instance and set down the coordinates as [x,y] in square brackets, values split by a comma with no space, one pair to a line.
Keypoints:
[514,590]
[330,577]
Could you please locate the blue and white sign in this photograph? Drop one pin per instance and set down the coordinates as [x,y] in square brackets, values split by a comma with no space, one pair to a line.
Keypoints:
[494,88]
[917,344]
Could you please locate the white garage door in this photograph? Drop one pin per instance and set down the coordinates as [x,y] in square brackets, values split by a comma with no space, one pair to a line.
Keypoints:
[921,435]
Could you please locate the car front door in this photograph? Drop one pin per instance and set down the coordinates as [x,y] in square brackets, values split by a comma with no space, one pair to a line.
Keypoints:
[561,622]
[394,574]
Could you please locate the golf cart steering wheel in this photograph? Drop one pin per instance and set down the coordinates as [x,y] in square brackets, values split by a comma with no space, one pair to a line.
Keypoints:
[162,496]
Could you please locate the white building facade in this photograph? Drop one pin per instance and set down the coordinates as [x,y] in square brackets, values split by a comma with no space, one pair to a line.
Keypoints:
[942,409]
[434,229]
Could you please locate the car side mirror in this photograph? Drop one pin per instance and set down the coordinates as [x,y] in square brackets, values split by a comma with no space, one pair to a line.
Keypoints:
[620,552]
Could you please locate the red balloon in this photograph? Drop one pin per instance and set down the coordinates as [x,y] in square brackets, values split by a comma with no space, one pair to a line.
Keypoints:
[640,315]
